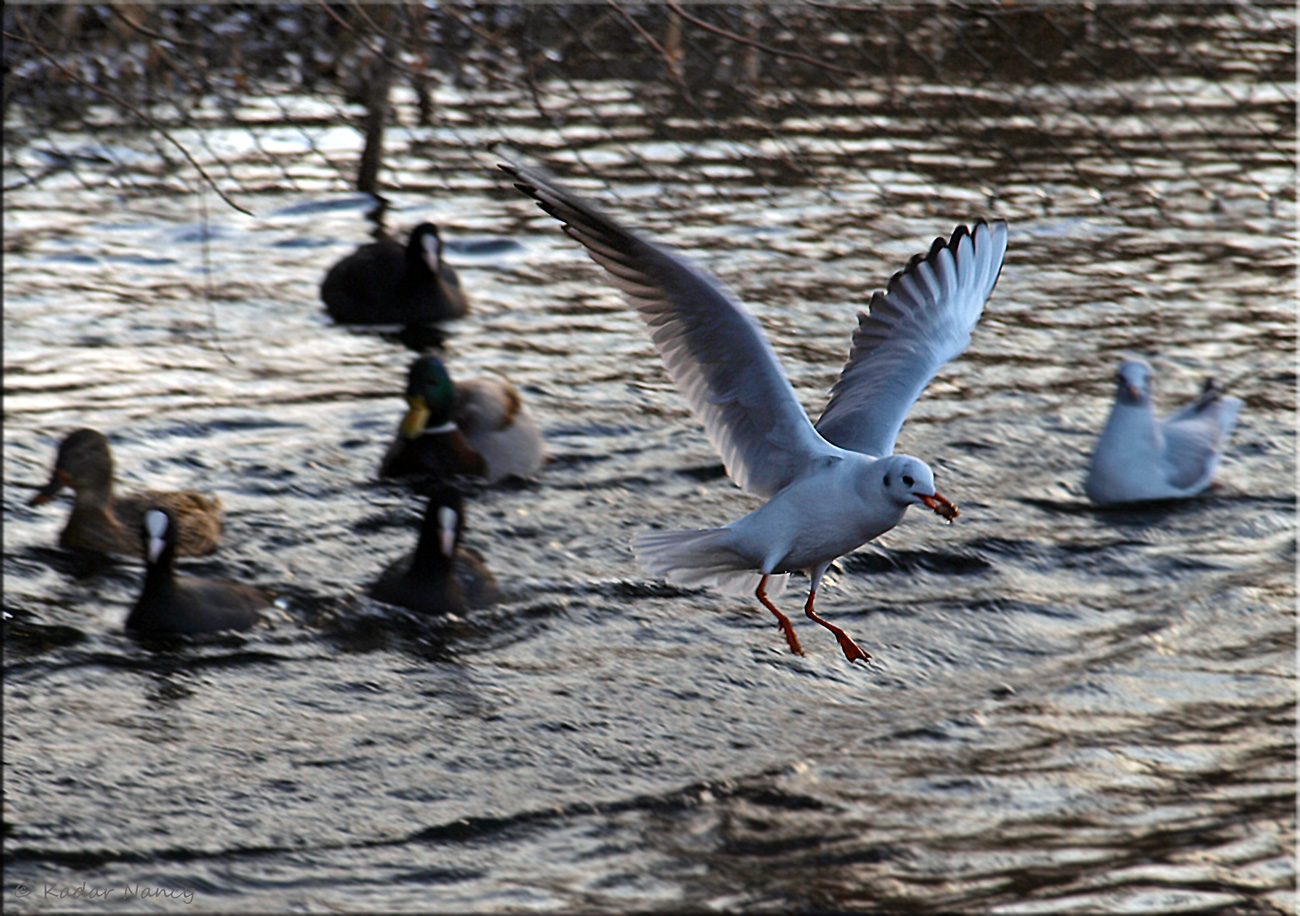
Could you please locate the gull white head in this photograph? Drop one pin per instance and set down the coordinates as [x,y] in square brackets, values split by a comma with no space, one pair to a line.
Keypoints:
[1133,382]
[908,480]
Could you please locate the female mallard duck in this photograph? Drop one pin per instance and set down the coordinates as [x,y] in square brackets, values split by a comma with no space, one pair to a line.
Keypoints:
[485,415]
[105,523]
[386,283]
[439,576]
[183,604]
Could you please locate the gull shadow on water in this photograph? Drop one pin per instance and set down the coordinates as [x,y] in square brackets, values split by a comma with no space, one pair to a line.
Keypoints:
[704,473]
[1156,511]
[363,625]
[912,561]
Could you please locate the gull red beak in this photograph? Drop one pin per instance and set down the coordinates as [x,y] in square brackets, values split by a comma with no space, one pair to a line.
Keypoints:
[941,505]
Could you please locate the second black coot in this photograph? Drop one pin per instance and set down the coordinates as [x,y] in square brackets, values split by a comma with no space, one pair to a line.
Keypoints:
[440,577]
[385,282]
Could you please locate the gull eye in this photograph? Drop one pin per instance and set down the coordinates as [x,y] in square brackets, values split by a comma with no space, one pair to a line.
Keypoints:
[886,480]
[908,480]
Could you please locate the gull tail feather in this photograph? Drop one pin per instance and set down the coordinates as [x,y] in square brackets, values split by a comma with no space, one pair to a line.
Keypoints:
[701,556]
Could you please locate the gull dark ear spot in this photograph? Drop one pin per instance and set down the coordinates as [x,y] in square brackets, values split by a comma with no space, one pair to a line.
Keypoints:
[908,480]
[886,480]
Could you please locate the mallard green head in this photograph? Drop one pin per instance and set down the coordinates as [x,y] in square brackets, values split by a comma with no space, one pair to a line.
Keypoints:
[430,392]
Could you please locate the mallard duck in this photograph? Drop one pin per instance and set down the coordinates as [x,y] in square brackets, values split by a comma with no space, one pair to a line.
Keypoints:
[485,415]
[106,523]
[183,604]
[497,425]
[439,576]
[1141,458]
[386,283]
[429,444]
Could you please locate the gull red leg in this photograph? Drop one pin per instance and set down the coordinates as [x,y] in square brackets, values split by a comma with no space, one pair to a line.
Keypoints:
[786,626]
[851,649]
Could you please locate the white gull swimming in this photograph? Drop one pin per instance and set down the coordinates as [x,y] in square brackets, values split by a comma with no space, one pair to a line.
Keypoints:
[1140,458]
[830,487]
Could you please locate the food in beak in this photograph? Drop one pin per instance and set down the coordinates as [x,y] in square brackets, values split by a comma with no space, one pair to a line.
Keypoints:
[941,505]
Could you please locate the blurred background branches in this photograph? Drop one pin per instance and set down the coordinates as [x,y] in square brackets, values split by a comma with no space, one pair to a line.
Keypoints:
[390,98]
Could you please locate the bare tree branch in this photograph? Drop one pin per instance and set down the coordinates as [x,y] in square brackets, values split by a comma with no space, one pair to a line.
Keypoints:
[131,108]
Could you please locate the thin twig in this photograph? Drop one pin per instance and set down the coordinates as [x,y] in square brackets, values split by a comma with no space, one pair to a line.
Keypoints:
[379,52]
[148,32]
[131,108]
[674,69]
[740,39]
[206,248]
[158,40]
[451,12]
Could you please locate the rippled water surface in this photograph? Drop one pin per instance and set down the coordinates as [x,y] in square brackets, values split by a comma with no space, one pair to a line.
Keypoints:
[1068,709]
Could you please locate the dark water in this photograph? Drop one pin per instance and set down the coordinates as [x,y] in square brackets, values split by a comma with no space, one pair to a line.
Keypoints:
[1069,709]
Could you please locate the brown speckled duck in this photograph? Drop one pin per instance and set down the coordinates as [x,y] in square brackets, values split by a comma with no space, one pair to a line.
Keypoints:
[106,523]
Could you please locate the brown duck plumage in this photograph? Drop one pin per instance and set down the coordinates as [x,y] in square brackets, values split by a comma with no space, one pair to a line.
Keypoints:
[106,523]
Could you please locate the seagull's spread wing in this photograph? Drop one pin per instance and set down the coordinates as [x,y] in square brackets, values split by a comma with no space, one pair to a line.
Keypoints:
[1189,454]
[1193,437]
[715,351]
[920,322]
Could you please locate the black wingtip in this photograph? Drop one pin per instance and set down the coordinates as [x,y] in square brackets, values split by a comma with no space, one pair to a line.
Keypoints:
[523,184]
[961,232]
[1211,393]
[939,244]
[528,189]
